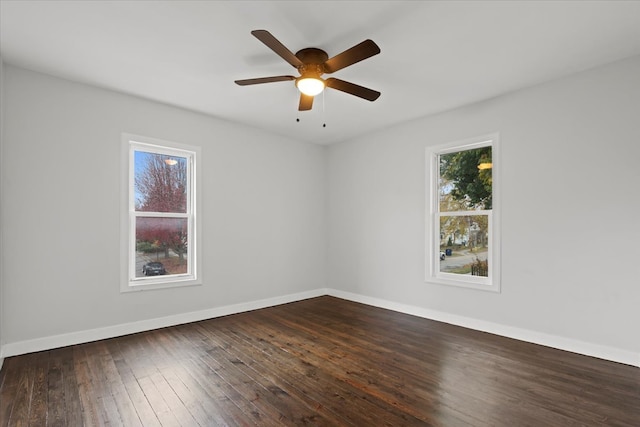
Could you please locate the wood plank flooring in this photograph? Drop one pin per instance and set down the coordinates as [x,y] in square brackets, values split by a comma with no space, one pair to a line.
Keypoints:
[321,362]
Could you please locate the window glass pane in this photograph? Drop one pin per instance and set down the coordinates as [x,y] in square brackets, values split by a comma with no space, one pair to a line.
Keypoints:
[464,244]
[465,180]
[160,182]
[161,246]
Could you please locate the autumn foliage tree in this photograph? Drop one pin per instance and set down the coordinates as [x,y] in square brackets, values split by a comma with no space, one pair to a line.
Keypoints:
[161,187]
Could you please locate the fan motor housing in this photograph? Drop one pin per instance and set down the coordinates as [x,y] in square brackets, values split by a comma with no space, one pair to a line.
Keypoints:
[313,60]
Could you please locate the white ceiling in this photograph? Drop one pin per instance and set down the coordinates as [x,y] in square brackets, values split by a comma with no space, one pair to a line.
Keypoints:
[436,55]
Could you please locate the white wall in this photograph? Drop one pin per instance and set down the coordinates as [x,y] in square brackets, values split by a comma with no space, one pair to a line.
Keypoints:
[570,223]
[263,208]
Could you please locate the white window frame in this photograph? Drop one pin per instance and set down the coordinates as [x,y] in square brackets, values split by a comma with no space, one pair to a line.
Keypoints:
[129,282]
[432,252]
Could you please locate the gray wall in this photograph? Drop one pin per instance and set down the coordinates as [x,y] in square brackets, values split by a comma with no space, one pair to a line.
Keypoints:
[570,203]
[2,300]
[262,199]
[283,217]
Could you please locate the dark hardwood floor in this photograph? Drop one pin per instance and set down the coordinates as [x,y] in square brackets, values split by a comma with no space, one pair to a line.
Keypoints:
[322,361]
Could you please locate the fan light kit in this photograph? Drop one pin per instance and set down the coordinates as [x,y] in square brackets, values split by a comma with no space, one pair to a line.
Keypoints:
[312,63]
[310,86]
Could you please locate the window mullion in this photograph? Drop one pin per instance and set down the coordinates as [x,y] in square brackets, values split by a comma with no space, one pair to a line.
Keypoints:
[160,214]
[464,213]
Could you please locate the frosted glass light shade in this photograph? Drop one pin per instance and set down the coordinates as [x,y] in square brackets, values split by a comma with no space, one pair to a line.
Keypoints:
[310,86]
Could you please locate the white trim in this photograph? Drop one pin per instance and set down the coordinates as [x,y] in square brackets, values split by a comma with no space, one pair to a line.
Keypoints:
[73,338]
[575,346]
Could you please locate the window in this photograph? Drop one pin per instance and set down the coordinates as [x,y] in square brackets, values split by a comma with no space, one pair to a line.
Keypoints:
[159,227]
[463,243]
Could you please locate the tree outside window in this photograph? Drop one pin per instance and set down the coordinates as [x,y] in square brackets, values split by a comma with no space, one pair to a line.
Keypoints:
[465,184]
[160,185]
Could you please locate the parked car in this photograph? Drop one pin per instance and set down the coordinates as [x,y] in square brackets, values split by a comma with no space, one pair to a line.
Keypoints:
[442,256]
[153,269]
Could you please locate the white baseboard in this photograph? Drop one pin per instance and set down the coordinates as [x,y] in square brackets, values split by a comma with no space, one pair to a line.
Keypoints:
[561,343]
[574,346]
[63,340]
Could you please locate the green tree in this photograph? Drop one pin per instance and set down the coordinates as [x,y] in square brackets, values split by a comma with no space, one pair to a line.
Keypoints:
[463,177]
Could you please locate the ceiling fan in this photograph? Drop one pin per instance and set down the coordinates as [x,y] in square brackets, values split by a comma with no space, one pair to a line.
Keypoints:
[312,63]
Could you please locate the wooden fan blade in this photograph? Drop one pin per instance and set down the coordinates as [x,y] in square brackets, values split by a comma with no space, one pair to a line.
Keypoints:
[264,80]
[353,89]
[272,43]
[306,102]
[361,51]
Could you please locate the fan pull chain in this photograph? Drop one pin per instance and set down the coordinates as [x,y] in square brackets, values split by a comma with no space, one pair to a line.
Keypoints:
[297,95]
[324,119]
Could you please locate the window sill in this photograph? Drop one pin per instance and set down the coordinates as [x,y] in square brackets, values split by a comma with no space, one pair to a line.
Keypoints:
[153,284]
[470,282]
